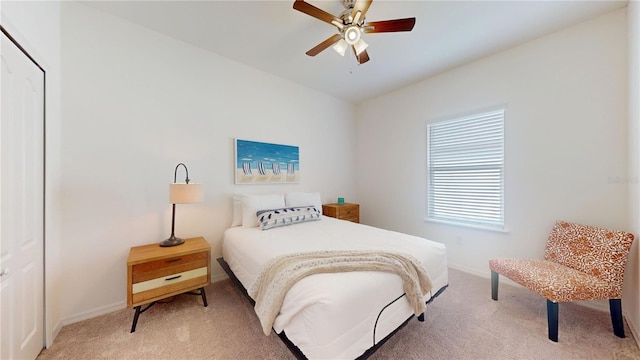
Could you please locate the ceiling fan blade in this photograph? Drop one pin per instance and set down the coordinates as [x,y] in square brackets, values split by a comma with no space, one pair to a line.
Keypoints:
[363,57]
[317,13]
[363,7]
[323,45]
[389,25]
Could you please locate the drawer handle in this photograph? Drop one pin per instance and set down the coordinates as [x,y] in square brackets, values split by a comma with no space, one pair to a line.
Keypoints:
[173,278]
[349,212]
[174,260]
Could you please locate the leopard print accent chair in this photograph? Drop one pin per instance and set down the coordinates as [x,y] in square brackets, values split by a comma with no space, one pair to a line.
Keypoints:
[580,263]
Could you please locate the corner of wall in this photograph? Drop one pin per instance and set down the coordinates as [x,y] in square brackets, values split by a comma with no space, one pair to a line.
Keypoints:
[631,305]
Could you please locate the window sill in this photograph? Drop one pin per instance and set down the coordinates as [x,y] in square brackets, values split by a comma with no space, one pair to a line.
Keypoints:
[467,225]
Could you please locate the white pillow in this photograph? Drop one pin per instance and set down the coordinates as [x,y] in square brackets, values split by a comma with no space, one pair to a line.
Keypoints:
[237,210]
[252,203]
[304,199]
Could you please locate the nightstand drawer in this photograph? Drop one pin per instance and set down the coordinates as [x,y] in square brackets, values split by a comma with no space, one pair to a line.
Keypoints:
[168,280]
[347,212]
[171,285]
[350,217]
[164,267]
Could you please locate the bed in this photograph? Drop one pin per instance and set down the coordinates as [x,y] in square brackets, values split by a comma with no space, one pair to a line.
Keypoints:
[341,315]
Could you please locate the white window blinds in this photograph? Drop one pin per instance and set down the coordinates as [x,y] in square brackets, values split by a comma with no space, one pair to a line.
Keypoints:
[465,162]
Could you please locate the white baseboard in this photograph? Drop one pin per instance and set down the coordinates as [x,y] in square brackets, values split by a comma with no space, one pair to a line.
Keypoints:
[54,333]
[95,312]
[468,270]
[219,277]
[634,330]
[107,309]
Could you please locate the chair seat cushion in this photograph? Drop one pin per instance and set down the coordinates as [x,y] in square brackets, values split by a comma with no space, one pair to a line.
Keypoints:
[554,281]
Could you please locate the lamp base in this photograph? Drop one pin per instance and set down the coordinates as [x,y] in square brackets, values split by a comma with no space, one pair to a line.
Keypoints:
[172,241]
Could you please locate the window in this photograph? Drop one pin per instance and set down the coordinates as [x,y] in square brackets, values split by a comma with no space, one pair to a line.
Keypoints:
[465,162]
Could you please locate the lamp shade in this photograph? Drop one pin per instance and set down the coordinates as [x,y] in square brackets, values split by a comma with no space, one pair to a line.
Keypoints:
[182,193]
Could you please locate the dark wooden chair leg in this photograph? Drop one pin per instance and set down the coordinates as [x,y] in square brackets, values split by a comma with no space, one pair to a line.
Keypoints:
[552,320]
[494,285]
[615,306]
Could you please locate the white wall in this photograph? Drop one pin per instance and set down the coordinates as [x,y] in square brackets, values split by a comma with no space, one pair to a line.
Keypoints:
[565,141]
[36,26]
[631,303]
[136,103]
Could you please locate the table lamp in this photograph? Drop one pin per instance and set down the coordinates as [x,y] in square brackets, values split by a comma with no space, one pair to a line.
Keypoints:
[181,193]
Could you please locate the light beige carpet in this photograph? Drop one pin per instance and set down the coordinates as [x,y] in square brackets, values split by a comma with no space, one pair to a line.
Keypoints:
[462,323]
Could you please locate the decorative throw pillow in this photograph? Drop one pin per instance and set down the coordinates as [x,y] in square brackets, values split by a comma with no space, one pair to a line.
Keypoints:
[269,219]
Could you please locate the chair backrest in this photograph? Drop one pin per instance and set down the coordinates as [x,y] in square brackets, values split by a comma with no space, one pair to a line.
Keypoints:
[596,251]
[246,167]
[276,168]
[261,168]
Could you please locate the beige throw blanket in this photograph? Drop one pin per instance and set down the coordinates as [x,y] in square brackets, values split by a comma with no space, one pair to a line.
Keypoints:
[281,273]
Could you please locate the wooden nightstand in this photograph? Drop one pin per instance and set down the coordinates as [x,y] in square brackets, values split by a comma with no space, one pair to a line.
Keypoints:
[155,273]
[346,211]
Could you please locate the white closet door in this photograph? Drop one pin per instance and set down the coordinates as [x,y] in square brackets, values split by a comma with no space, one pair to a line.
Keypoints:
[21,204]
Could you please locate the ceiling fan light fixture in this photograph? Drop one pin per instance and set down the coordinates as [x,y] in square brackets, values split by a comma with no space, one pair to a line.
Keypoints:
[352,35]
[341,47]
[360,46]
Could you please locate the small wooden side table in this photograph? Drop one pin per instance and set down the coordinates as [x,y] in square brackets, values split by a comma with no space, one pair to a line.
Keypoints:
[155,273]
[346,211]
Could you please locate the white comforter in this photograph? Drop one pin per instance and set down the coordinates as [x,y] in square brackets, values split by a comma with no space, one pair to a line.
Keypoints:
[333,316]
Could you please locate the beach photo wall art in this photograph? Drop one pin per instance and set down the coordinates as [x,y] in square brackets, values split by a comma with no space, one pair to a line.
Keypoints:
[266,163]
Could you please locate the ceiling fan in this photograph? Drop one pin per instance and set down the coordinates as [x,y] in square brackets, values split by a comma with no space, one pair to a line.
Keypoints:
[351,25]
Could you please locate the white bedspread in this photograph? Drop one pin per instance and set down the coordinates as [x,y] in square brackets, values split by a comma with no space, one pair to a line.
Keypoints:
[333,316]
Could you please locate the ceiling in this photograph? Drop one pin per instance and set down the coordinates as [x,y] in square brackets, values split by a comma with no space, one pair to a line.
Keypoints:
[273,37]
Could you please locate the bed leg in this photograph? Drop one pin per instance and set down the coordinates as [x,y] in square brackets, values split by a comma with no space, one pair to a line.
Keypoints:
[421,317]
